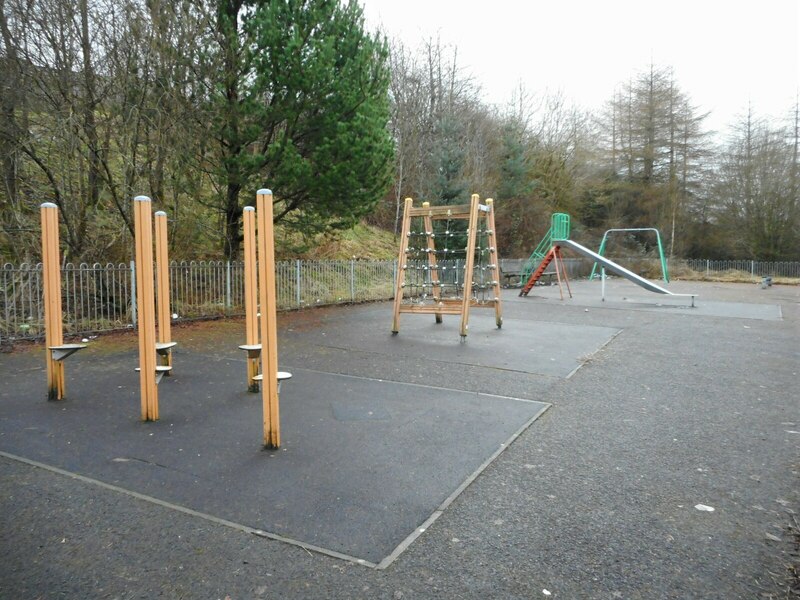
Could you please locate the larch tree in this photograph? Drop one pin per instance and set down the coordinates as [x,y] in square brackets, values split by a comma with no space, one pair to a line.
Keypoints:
[759,209]
[655,147]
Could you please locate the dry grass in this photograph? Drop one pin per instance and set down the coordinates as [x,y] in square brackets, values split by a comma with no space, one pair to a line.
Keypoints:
[360,242]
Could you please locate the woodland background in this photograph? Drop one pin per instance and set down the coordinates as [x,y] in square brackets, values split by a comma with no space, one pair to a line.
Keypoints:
[198,103]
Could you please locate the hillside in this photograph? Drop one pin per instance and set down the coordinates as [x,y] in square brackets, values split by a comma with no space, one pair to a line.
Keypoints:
[361,242]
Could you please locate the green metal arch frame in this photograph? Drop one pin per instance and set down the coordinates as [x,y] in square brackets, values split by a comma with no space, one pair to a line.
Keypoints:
[664,270]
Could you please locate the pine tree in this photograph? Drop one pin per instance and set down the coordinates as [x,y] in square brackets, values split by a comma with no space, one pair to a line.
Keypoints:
[301,107]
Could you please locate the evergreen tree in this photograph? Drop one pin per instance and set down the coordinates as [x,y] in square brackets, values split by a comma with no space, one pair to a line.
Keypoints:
[299,103]
[448,158]
[515,163]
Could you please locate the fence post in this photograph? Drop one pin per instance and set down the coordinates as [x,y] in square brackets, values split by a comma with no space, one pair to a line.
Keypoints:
[352,280]
[228,303]
[708,268]
[297,283]
[394,277]
[752,268]
[133,293]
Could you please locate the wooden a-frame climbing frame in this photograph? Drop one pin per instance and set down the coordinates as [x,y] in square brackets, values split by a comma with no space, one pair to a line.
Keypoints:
[478,215]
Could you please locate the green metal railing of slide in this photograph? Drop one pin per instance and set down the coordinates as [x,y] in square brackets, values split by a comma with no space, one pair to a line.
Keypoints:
[559,230]
[102,297]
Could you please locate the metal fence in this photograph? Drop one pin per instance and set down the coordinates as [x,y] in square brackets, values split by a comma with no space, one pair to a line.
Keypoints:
[755,268]
[103,297]
[511,268]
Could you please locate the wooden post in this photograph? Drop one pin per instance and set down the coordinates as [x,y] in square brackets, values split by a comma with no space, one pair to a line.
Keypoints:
[269,334]
[143,227]
[470,263]
[51,272]
[401,263]
[495,260]
[250,296]
[162,281]
[433,263]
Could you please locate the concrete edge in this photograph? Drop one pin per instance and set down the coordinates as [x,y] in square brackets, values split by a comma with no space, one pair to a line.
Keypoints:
[386,562]
[185,510]
[403,546]
[430,387]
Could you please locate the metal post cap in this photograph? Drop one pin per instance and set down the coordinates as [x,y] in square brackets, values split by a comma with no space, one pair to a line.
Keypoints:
[264,191]
[141,199]
[47,205]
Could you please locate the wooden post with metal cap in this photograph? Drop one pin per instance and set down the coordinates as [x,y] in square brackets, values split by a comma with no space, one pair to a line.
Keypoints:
[51,271]
[57,350]
[252,346]
[164,343]
[143,228]
[269,334]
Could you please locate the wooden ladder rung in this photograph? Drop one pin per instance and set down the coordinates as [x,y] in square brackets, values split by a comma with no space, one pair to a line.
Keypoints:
[429,310]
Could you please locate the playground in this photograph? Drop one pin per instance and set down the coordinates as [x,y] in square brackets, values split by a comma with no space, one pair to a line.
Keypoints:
[607,442]
[566,451]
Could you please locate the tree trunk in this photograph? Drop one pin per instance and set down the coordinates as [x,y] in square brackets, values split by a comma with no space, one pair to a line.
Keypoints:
[232,216]
[8,128]
[228,27]
[89,121]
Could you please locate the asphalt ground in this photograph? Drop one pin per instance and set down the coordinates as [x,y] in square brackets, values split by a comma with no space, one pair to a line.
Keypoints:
[363,463]
[597,498]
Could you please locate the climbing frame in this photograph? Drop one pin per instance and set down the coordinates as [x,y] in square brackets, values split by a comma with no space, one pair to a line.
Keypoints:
[448,262]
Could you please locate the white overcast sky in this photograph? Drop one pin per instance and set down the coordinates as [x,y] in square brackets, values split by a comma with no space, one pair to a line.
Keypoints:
[724,53]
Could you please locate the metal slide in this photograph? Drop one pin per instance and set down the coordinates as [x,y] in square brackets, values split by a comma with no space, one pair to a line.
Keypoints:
[618,269]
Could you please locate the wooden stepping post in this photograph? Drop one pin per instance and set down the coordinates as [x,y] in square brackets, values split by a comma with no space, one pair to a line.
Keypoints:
[164,344]
[56,351]
[269,333]
[51,271]
[251,344]
[143,228]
